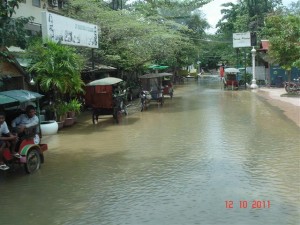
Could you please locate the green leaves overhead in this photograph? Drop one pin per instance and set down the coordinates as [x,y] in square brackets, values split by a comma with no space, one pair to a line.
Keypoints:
[150,31]
[12,30]
[283,32]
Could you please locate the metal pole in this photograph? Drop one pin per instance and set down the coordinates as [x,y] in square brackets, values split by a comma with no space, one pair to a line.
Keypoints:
[245,64]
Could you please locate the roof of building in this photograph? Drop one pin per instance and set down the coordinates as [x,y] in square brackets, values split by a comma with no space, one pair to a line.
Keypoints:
[264,45]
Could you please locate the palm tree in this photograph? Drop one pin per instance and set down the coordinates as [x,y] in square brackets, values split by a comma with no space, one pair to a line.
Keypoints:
[57,68]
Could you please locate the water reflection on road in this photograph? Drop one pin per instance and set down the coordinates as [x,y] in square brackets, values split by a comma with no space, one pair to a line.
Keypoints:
[175,164]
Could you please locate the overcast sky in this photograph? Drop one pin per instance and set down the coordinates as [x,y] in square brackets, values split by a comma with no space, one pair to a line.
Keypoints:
[212,11]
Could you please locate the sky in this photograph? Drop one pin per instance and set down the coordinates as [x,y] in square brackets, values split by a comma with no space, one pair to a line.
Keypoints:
[212,11]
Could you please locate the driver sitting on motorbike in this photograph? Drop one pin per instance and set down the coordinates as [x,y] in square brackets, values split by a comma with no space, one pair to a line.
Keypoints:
[24,121]
[5,136]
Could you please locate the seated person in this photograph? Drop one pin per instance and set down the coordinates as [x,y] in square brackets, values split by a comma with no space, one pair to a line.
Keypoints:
[8,137]
[25,120]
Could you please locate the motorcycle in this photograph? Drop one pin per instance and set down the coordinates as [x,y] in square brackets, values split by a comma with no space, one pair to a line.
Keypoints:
[293,87]
[145,99]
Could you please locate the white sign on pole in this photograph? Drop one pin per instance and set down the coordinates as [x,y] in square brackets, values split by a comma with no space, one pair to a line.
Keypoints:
[241,40]
[69,31]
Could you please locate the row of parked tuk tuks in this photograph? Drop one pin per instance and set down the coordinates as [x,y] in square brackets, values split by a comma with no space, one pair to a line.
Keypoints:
[105,97]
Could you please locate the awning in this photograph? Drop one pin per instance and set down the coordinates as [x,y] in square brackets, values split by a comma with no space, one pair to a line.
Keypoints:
[18,96]
[97,67]
[155,75]
[158,67]
[264,45]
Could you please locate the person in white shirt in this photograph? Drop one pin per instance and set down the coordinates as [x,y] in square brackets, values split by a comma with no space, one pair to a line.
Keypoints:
[5,136]
[25,120]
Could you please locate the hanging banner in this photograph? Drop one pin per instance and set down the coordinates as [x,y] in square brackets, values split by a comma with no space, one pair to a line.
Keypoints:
[241,40]
[69,31]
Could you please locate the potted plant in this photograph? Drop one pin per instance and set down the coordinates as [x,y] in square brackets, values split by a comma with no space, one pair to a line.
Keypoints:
[61,113]
[74,107]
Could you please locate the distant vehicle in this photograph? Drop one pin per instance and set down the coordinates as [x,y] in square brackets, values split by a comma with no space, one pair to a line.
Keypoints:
[230,79]
[152,84]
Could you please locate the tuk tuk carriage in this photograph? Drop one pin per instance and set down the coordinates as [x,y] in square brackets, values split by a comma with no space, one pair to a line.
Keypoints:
[167,87]
[230,79]
[106,97]
[28,144]
[153,89]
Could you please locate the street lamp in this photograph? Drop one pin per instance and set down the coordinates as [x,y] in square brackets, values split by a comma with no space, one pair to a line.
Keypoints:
[253,84]
[32,82]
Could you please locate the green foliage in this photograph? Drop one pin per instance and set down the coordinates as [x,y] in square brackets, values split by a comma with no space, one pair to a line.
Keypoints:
[61,109]
[154,31]
[283,32]
[57,67]
[12,30]
[73,106]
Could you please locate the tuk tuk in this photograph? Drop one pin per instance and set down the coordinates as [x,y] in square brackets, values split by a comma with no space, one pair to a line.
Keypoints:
[28,144]
[230,79]
[106,97]
[152,85]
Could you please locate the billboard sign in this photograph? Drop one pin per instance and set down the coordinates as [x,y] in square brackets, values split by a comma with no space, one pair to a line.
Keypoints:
[241,40]
[69,31]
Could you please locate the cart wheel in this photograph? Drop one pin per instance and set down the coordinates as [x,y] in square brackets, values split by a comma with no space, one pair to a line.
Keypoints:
[33,161]
[95,117]
[125,110]
[119,116]
[142,106]
[130,97]
[162,100]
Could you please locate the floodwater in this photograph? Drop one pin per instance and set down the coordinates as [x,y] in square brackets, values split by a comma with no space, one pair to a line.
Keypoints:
[189,162]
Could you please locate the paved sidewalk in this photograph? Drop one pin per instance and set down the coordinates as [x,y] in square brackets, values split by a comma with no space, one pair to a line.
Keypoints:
[289,105]
[275,93]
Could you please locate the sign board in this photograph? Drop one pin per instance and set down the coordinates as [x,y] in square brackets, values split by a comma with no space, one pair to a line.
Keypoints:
[241,40]
[69,31]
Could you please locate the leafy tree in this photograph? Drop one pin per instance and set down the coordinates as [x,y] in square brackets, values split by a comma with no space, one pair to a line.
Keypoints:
[246,15]
[57,68]
[283,32]
[129,39]
[12,30]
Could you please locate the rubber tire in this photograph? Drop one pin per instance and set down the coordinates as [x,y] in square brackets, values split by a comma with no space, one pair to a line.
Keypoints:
[33,161]
[119,116]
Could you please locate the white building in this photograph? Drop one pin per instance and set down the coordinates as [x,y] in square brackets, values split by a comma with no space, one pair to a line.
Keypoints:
[34,8]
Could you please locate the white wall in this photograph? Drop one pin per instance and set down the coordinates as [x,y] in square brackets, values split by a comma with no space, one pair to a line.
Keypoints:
[260,72]
[27,9]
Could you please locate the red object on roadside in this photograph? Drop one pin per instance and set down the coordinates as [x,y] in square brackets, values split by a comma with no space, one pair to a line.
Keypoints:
[221,71]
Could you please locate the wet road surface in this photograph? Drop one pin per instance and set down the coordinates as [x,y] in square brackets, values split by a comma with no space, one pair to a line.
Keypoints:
[189,162]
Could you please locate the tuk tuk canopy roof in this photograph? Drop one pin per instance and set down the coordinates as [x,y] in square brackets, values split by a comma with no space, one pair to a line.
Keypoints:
[105,81]
[155,75]
[18,96]
[232,70]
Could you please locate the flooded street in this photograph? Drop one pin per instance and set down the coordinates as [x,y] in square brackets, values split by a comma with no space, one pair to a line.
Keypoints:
[189,162]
